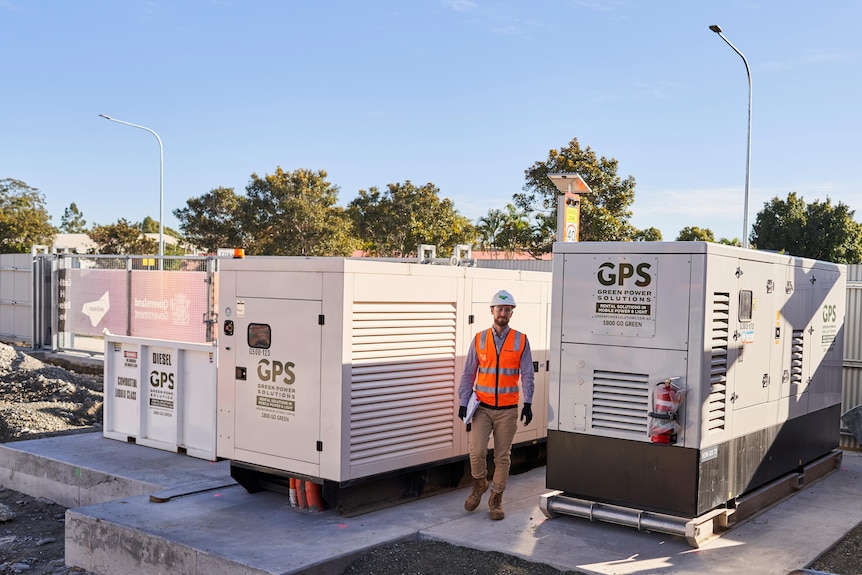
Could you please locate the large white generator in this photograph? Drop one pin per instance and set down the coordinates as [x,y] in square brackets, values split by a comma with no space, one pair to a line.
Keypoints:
[750,344]
[339,370]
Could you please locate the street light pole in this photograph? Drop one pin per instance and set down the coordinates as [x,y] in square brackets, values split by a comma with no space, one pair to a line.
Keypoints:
[715,28]
[161,183]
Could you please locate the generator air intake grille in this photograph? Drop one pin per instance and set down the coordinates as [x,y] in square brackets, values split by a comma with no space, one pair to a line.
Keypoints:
[796,354]
[402,380]
[717,401]
[620,402]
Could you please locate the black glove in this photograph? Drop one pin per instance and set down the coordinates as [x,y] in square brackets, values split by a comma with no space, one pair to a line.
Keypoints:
[527,413]
[462,412]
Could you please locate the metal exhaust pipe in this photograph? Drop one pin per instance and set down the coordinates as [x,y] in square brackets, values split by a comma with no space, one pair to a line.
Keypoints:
[554,503]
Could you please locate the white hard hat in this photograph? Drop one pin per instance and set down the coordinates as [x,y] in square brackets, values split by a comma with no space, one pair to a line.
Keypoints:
[502,297]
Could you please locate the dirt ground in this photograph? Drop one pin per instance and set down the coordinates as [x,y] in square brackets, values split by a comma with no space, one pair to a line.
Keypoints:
[39,400]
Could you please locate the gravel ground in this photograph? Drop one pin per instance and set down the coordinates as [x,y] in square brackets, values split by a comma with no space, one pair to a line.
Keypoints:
[40,400]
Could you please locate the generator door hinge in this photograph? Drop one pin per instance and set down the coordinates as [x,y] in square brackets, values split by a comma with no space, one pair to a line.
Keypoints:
[320,446]
[812,280]
[470,318]
[765,380]
[321,319]
[770,286]
[733,397]
[738,272]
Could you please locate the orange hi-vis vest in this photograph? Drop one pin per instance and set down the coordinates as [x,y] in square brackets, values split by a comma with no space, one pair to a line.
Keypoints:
[498,374]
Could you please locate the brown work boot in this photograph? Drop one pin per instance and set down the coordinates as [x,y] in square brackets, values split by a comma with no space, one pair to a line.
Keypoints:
[495,502]
[479,487]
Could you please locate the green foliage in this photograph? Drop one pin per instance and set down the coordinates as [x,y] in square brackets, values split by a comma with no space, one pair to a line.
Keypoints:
[818,230]
[122,238]
[294,214]
[73,221]
[647,235]
[151,226]
[394,222]
[507,231]
[695,234]
[604,213]
[730,242]
[213,220]
[24,219]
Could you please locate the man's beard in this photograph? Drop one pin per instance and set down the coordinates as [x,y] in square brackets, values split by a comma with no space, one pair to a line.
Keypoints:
[501,321]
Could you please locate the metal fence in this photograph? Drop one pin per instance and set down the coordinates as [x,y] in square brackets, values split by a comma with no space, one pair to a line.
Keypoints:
[851,394]
[67,302]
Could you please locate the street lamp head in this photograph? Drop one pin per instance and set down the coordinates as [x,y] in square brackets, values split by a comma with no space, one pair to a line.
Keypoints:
[715,28]
[105,117]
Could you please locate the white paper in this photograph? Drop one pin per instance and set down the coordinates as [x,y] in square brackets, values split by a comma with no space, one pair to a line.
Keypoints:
[471,408]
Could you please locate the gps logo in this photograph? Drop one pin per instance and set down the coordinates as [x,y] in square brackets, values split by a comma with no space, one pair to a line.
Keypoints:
[271,372]
[609,275]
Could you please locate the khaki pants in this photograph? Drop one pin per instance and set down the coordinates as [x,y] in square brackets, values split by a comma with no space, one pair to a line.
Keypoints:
[502,423]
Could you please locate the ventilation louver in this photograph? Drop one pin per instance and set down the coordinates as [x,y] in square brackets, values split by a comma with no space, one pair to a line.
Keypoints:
[620,402]
[717,401]
[796,354]
[402,379]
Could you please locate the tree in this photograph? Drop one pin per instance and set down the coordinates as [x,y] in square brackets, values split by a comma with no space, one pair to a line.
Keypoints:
[213,220]
[507,231]
[122,238]
[730,242]
[604,214]
[151,226]
[818,230]
[647,235]
[73,221]
[295,214]
[695,234]
[24,219]
[393,223]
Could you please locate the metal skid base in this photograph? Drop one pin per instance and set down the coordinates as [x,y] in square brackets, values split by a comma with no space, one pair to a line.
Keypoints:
[380,491]
[705,527]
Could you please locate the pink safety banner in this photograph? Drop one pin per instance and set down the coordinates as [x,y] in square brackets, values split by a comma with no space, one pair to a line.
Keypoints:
[94,300]
[169,305]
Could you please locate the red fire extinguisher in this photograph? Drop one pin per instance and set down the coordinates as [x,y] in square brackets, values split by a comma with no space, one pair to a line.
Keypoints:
[663,425]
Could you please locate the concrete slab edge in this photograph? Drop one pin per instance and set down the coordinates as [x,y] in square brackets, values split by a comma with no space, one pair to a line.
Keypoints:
[63,483]
[104,546]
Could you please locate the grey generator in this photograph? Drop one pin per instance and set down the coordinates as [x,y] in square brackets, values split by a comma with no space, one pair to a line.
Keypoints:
[686,374]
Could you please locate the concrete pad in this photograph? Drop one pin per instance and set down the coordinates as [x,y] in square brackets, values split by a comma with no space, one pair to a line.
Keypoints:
[87,468]
[785,537]
[225,530]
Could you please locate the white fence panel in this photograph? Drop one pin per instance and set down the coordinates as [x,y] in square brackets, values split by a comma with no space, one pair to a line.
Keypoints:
[16,297]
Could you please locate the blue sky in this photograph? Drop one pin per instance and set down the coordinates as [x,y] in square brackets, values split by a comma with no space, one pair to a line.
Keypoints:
[466,94]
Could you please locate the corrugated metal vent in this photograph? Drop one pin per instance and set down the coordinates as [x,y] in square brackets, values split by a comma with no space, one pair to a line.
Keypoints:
[402,379]
[620,402]
[717,402]
[796,354]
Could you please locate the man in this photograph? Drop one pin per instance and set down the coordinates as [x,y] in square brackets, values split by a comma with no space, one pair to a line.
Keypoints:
[496,359]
